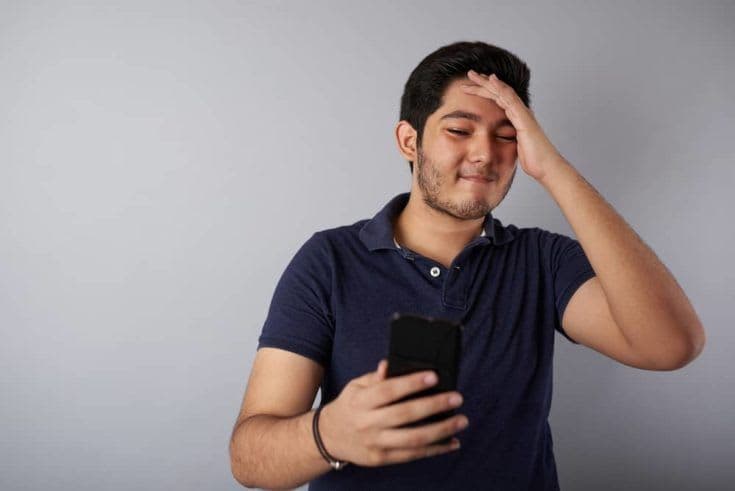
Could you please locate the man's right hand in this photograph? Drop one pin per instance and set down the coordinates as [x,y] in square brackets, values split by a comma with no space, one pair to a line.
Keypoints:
[360,425]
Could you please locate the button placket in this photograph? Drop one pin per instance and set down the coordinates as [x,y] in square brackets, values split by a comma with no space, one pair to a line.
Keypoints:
[456,283]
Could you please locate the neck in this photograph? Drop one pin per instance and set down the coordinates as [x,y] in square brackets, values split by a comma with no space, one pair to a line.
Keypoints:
[433,233]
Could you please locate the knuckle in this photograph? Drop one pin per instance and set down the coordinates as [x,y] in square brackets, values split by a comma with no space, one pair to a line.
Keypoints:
[398,390]
[419,381]
[447,429]
[457,423]
[350,389]
[351,386]
[386,391]
[416,440]
[376,457]
[429,451]
[402,412]
[361,424]
[415,408]
[369,425]
[354,399]
[421,409]
[443,401]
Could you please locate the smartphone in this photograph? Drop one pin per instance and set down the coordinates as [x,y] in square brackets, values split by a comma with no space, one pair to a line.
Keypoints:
[420,343]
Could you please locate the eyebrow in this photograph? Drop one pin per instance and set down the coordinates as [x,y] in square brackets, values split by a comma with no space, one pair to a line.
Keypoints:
[474,117]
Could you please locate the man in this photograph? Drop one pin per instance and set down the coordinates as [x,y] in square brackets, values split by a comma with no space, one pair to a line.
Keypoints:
[438,251]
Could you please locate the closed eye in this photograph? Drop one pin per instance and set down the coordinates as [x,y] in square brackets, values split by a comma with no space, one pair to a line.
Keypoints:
[465,133]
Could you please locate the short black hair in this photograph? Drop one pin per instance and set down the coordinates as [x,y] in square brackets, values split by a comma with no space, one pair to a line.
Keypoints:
[425,87]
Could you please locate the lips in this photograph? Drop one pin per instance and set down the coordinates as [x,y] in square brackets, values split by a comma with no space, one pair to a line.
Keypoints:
[477,178]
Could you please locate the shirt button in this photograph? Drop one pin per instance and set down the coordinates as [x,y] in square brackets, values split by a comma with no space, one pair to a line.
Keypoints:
[435,271]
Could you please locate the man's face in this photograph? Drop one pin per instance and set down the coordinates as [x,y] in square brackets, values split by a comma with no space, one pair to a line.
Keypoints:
[453,147]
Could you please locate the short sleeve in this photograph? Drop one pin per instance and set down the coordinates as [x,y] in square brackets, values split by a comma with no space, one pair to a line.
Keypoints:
[570,268]
[299,317]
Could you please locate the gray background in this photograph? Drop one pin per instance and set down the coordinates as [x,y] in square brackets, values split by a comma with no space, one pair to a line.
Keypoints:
[161,163]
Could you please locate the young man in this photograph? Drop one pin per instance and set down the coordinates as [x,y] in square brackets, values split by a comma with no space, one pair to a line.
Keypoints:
[438,251]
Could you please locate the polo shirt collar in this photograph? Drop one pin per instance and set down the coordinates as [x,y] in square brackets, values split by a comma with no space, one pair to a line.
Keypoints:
[377,233]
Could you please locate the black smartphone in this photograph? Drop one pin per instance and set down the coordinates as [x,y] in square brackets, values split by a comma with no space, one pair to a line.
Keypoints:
[420,343]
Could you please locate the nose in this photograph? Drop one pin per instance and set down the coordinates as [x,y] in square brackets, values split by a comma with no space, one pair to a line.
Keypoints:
[481,150]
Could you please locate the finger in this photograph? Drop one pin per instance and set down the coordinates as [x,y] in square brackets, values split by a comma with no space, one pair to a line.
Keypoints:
[492,92]
[494,85]
[398,455]
[490,82]
[371,378]
[479,90]
[505,97]
[421,435]
[473,75]
[378,375]
[401,413]
[483,79]
[394,388]
[382,369]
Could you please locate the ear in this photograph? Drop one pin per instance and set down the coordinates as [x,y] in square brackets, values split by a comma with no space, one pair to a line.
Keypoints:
[406,140]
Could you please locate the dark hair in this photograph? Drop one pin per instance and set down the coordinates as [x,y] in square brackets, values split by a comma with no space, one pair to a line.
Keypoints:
[424,89]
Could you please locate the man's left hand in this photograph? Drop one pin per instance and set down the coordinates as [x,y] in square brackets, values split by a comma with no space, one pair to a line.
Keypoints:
[535,152]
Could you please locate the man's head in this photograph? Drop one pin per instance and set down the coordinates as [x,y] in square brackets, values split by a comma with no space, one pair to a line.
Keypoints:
[452,134]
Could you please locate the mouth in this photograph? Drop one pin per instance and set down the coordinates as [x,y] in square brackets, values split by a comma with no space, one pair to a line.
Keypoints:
[477,179]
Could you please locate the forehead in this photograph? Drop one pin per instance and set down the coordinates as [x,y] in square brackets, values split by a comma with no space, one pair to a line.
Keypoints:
[458,105]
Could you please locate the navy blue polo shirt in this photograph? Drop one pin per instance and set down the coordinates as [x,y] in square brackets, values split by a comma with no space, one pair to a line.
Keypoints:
[508,287]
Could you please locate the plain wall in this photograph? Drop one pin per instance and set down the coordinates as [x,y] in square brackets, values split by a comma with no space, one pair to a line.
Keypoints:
[160,163]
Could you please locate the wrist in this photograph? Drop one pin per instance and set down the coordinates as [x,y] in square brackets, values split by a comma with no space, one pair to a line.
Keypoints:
[553,170]
[329,440]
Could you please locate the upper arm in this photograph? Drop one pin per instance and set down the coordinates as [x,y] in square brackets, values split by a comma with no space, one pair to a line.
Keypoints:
[588,320]
[281,383]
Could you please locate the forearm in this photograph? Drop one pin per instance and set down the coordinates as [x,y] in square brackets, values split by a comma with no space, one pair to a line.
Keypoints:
[275,452]
[645,300]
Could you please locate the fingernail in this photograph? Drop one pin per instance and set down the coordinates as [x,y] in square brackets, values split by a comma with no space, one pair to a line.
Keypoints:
[462,423]
[430,378]
[455,400]
[473,72]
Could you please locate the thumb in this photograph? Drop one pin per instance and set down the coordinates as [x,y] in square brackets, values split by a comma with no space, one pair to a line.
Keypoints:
[370,378]
[382,370]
